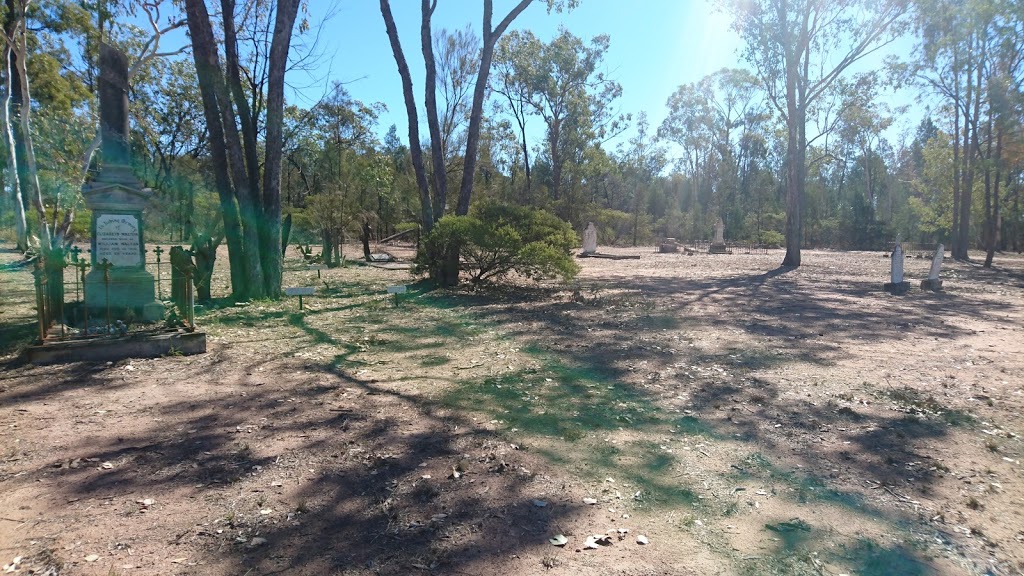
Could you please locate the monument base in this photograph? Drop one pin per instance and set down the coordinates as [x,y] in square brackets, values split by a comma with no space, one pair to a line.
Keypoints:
[719,249]
[935,285]
[668,248]
[112,349]
[129,289]
[897,288]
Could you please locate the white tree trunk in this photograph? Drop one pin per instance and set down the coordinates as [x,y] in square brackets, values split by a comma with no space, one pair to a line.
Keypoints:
[20,225]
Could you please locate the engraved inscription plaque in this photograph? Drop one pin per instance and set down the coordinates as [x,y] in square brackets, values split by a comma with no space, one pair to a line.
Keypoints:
[117,239]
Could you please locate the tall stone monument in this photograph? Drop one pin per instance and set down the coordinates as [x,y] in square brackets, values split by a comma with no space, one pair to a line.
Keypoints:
[117,200]
[932,282]
[718,244]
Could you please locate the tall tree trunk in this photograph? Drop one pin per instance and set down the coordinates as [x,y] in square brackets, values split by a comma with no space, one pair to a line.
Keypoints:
[954,232]
[426,211]
[490,38]
[20,222]
[995,216]
[245,189]
[204,51]
[968,151]
[554,133]
[11,22]
[20,50]
[270,239]
[439,175]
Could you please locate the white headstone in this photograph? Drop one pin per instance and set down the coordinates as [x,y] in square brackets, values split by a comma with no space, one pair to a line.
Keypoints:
[590,239]
[897,264]
[719,232]
[940,251]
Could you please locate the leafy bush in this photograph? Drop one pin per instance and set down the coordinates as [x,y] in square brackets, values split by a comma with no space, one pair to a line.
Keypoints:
[497,240]
[771,239]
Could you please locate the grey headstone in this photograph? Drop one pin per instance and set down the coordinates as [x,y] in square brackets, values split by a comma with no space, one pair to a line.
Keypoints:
[940,251]
[590,239]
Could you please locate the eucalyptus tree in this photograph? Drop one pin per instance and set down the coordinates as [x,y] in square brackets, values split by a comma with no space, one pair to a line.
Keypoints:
[643,161]
[39,70]
[490,34]
[251,204]
[799,49]
[716,123]
[514,59]
[572,96]
[457,59]
[970,55]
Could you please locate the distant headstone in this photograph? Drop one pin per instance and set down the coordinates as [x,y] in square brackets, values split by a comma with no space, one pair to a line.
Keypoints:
[668,245]
[932,282]
[718,244]
[896,285]
[590,239]
[117,200]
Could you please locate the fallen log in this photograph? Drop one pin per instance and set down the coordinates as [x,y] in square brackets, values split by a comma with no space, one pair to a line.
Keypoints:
[607,256]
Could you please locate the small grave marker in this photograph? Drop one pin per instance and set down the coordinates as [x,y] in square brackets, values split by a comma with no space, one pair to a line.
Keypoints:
[932,282]
[317,267]
[299,291]
[590,239]
[897,284]
[396,290]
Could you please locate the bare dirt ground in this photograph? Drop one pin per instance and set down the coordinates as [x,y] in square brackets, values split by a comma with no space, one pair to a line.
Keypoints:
[736,417]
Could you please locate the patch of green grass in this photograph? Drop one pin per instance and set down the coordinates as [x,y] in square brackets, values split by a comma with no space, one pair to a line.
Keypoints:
[808,488]
[558,401]
[927,405]
[14,337]
[693,426]
[872,559]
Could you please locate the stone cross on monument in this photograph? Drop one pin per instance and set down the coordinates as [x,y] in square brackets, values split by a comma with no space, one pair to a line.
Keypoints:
[117,200]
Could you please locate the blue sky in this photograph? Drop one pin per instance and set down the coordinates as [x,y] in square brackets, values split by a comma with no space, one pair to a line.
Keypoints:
[656,45]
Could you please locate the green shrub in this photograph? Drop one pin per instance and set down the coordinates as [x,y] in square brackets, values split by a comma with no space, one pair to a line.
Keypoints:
[497,240]
[771,239]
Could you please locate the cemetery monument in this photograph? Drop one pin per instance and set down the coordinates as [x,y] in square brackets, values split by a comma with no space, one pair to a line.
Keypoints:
[590,239]
[117,200]
[932,282]
[718,244]
[897,285]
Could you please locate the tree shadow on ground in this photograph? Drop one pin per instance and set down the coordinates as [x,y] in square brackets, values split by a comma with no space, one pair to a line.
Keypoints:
[353,461]
[353,493]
